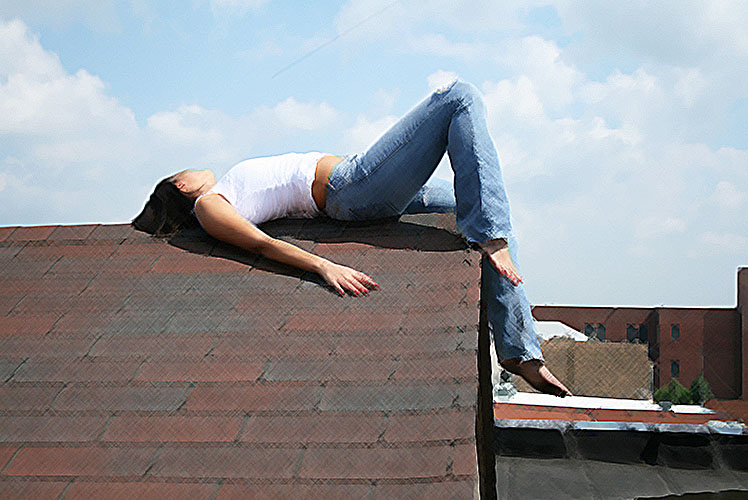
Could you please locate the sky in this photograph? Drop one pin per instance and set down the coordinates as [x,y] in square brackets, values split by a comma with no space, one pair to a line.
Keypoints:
[622,127]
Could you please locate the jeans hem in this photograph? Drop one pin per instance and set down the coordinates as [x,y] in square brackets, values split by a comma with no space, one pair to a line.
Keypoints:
[526,356]
[505,235]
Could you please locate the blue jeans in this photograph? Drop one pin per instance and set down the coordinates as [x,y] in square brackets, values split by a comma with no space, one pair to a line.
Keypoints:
[392,178]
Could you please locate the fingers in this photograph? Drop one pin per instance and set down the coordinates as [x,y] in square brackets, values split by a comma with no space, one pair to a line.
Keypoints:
[358,284]
[357,287]
[351,286]
[349,281]
[366,280]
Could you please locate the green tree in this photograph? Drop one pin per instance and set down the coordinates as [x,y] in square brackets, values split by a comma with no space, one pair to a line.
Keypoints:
[700,390]
[673,392]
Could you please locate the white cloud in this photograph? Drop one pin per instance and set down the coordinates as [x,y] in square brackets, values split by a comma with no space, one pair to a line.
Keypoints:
[196,136]
[690,86]
[99,15]
[67,118]
[727,196]
[58,133]
[518,97]
[212,138]
[540,61]
[21,54]
[697,49]
[306,116]
[365,132]
[188,124]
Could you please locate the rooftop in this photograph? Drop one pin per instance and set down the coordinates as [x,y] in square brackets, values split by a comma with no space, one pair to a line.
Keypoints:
[190,369]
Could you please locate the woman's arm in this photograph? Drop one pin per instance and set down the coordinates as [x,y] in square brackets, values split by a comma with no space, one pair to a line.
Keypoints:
[221,220]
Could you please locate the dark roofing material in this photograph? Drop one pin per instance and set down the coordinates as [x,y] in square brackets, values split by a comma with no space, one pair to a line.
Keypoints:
[135,367]
[541,457]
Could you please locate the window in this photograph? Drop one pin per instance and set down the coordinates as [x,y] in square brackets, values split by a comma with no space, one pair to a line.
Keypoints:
[595,330]
[675,331]
[600,331]
[643,334]
[589,330]
[675,368]
[631,333]
[637,334]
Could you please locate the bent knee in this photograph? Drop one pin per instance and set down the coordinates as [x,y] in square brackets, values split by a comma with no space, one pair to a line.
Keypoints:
[466,92]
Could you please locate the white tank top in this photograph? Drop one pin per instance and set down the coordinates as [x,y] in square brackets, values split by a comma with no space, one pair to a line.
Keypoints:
[271,187]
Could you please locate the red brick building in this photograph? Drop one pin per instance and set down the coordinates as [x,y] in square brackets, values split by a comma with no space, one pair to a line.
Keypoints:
[683,342]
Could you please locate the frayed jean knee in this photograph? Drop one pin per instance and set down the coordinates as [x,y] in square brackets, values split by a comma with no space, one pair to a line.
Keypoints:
[466,93]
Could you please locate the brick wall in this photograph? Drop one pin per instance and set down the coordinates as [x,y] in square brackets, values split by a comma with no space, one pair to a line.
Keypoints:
[615,319]
[722,357]
[743,311]
[682,356]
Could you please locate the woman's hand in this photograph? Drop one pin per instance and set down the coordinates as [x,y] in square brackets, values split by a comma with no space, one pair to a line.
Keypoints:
[344,279]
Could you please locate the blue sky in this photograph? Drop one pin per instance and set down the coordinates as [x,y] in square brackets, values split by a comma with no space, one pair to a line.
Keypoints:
[622,127]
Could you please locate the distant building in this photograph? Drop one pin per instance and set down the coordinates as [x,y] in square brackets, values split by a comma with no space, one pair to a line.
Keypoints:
[683,342]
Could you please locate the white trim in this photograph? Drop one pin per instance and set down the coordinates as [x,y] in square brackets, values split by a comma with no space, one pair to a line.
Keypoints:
[531,398]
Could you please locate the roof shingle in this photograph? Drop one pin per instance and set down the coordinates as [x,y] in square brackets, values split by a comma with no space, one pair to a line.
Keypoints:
[186,369]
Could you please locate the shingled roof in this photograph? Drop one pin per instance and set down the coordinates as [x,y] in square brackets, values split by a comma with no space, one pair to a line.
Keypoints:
[187,368]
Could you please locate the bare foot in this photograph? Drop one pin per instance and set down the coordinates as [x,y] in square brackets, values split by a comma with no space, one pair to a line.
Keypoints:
[537,375]
[497,252]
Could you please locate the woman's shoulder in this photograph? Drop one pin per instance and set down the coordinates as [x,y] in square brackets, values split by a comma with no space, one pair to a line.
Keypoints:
[208,199]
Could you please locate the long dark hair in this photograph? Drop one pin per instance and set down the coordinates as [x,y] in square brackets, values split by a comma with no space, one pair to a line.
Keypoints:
[166,211]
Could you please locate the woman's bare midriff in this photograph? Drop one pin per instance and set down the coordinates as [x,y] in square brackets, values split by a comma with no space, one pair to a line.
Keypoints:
[321,175]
